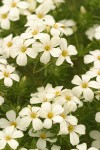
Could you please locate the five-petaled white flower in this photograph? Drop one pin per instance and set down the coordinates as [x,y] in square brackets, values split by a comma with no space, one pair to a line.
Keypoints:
[84,86]
[31,114]
[48,47]
[94,134]
[51,113]
[8,136]
[21,49]
[44,137]
[11,120]
[66,52]
[94,56]
[7,73]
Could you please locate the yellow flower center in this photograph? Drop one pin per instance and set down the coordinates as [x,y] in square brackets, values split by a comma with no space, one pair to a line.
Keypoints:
[35,32]
[6,74]
[43,136]
[57,93]
[23,49]
[13,4]
[55,26]
[84,85]
[47,47]
[99,72]
[9,44]
[50,115]
[68,97]
[8,138]
[64,53]
[98,57]
[33,115]
[40,15]
[70,128]
[13,124]
[45,99]
[63,115]
[4,16]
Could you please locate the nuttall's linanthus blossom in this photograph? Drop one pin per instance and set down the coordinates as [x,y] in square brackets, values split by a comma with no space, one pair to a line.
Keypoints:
[84,86]
[94,56]
[97,32]
[14,7]
[40,13]
[35,31]
[11,120]
[31,114]
[54,92]
[66,52]
[41,95]
[97,117]
[48,47]
[51,114]
[7,44]
[91,32]
[73,130]
[4,19]
[1,100]
[7,73]
[43,138]
[94,72]
[69,26]
[21,49]
[94,134]
[58,29]
[83,146]
[8,136]
[68,98]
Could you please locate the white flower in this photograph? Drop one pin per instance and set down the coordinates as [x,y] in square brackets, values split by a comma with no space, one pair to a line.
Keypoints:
[8,136]
[31,114]
[83,146]
[66,52]
[7,73]
[97,33]
[48,46]
[91,32]
[68,98]
[73,130]
[21,49]
[97,117]
[94,56]
[41,96]
[7,43]
[14,7]
[34,31]
[94,72]
[44,137]
[11,120]
[97,94]
[31,5]
[4,19]
[94,134]
[84,86]
[1,100]
[51,113]
[40,13]
[53,92]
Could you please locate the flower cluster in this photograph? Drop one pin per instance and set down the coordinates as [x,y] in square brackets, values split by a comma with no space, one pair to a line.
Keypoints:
[45,55]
